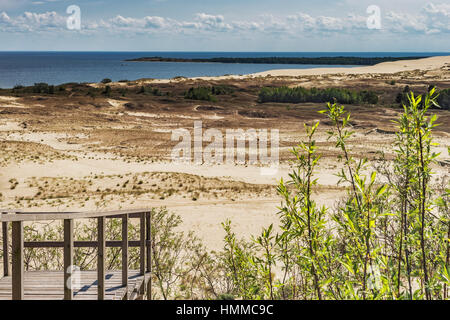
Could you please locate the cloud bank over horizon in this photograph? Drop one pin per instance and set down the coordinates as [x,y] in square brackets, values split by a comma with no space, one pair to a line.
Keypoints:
[430,21]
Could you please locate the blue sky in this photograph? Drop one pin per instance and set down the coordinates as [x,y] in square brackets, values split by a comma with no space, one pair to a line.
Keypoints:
[231,25]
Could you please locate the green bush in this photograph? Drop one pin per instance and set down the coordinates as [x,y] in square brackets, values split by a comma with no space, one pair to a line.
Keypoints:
[43,87]
[107,91]
[200,93]
[208,93]
[39,88]
[123,91]
[150,90]
[222,90]
[92,92]
[443,99]
[301,95]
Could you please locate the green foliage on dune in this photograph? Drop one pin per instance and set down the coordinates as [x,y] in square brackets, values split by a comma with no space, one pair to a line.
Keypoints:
[301,95]
[150,91]
[43,88]
[207,93]
[444,99]
[107,91]
[200,93]
[38,88]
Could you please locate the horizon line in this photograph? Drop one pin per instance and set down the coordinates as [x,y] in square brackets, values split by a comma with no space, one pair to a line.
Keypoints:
[193,51]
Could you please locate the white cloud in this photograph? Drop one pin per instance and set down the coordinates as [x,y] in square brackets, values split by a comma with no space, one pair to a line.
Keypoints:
[405,23]
[212,22]
[431,19]
[4,18]
[437,17]
[32,22]
[156,22]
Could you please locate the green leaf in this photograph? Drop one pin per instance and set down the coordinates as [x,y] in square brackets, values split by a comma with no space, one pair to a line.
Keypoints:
[381,190]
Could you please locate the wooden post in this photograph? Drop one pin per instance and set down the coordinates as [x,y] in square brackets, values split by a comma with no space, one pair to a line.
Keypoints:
[142,239]
[5,249]
[149,254]
[17,260]
[148,229]
[125,253]
[68,259]
[101,259]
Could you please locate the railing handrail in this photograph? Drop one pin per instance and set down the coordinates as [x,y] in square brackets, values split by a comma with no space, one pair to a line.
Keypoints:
[16,216]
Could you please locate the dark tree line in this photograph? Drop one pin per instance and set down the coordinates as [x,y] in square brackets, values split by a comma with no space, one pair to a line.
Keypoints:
[366,61]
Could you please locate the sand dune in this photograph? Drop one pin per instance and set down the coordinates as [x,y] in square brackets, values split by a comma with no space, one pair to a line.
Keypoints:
[74,152]
[426,64]
[385,68]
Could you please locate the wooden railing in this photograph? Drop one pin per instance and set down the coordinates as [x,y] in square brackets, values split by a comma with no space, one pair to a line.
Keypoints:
[17,218]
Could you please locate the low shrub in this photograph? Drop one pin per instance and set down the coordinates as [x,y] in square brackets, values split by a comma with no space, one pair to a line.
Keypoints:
[301,95]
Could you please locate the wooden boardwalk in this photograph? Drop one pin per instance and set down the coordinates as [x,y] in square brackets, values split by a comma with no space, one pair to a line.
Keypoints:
[49,285]
[70,284]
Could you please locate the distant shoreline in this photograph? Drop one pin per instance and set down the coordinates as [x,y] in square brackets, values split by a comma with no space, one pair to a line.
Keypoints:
[118,71]
[426,64]
[359,61]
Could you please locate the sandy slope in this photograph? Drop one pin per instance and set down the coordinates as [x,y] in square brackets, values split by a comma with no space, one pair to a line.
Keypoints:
[426,64]
[385,68]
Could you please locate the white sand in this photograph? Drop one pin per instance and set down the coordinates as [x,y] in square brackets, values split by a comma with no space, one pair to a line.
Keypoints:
[426,64]
[10,102]
[385,68]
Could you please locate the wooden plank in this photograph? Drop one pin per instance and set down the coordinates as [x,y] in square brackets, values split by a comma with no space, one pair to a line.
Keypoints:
[130,216]
[45,216]
[5,249]
[125,252]
[149,253]
[84,275]
[142,227]
[80,244]
[17,260]
[142,290]
[47,285]
[10,211]
[148,239]
[101,259]
[68,259]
